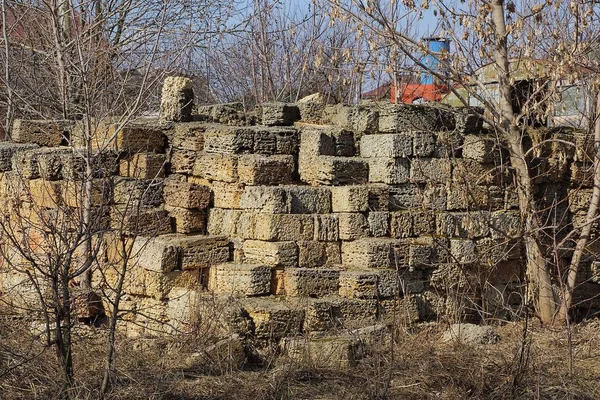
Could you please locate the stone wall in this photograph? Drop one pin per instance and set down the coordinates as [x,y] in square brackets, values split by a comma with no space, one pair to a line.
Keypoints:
[300,218]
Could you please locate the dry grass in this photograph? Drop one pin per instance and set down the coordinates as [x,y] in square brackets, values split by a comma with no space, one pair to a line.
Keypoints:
[417,366]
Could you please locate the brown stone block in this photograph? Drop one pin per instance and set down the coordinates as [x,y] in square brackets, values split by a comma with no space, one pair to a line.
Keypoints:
[186,194]
[256,169]
[143,166]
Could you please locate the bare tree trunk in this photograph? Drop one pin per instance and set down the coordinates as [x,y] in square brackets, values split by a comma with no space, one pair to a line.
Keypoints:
[592,213]
[8,83]
[541,291]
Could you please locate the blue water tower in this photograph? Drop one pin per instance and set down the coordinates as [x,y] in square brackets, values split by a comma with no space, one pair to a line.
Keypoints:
[436,46]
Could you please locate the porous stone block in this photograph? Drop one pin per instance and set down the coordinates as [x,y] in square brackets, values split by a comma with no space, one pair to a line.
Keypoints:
[217,167]
[316,141]
[401,223]
[279,114]
[227,195]
[158,254]
[582,174]
[434,197]
[331,170]
[399,282]
[505,224]
[329,352]
[405,197]
[326,227]
[313,254]
[187,220]
[135,138]
[25,163]
[410,117]
[273,254]
[379,223]
[74,192]
[271,199]
[177,99]
[45,193]
[189,136]
[379,197]
[371,253]
[448,144]
[266,170]
[482,149]
[8,149]
[358,284]
[228,139]
[308,200]
[200,251]
[353,226]
[462,251]
[311,107]
[467,197]
[386,145]
[42,132]
[143,166]
[468,119]
[270,140]
[232,223]
[426,251]
[312,282]
[579,200]
[425,170]
[424,144]
[240,279]
[131,192]
[423,222]
[283,227]
[273,319]
[391,171]
[464,225]
[186,194]
[466,171]
[359,119]
[182,161]
[50,162]
[350,198]
[140,220]
[329,313]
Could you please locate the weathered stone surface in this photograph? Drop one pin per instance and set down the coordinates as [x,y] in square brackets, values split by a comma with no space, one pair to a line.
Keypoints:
[200,251]
[270,199]
[275,114]
[177,99]
[185,194]
[140,221]
[189,136]
[331,170]
[308,200]
[131,192]
[358,284]
[379,223]
[471,333]
[386,145]
[50,162]
[359,119]
[182,161]
[401,224]
[330,352]
[391,171]
[283,227]
[409,117]
[424,144]
[379,197]
[271,140]
[273,319]
[273,254]
[482,149]
[462,251]
[399,282]
[313,254]
[8,149]
[232,223]
[217,167]
[425,252]
[311,107]
[464,225]
[158,254]
[45,193]
[349,199]
[505,224]
[467,197]
[42,132]
[225,355]
[266,170]
[228,139]
[187,220]
[370,253]
[312,282]
[353,226]
[425,170]
[227,195]
[326,228]
[468,119]
[405,197]
[470,172]
[240,279]
[335,312]
[143,166]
